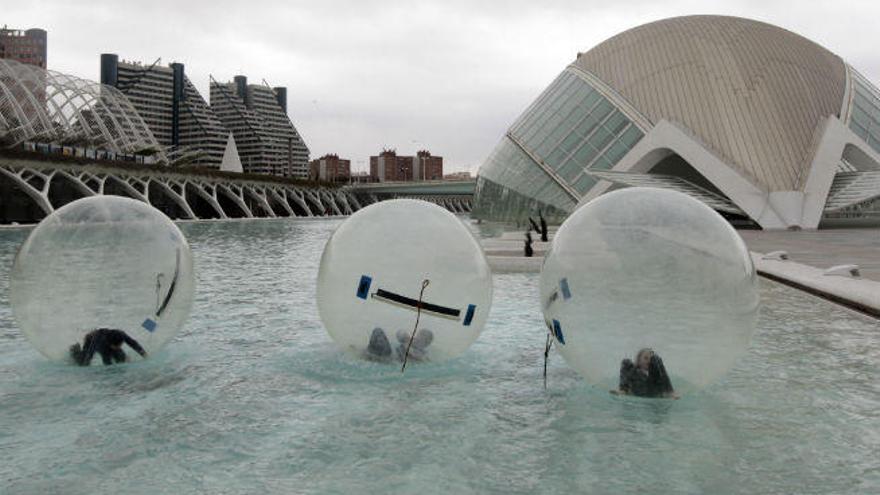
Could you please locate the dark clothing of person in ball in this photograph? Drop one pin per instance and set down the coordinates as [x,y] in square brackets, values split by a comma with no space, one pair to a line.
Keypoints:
[646,377]
[107,343]
[379,348]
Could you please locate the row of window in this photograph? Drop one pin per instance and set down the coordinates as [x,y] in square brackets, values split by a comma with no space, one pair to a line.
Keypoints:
[570,129]
[865,117]
[510,167]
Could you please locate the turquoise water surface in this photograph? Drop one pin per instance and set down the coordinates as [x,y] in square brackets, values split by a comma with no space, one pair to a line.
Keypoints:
[253,397]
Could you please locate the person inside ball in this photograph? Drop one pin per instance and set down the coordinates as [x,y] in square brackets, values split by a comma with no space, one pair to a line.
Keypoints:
[108,344]
[646,377]
[379,347]
[418,351]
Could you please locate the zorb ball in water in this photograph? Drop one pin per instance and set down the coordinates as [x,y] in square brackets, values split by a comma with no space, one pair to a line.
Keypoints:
[371,277]
[649,268]
[102,262]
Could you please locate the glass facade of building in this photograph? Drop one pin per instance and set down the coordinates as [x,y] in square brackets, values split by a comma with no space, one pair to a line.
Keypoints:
[543,161]
[865,117]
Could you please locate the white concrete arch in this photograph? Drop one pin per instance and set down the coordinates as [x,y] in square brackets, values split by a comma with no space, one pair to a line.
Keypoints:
[122,182]
[328,198]
[316,201]
[298,197]
[179,200]
[207,192]
[40,196]
[343,199]
[353,200]
[278,194]
[260,198]
[178,191]
[76,181]
[836,142]
[234,193]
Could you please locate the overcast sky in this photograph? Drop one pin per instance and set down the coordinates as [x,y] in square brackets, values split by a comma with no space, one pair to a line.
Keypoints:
[448,76]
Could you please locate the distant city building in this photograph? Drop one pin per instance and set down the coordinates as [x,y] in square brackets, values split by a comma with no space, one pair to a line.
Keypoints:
[172,107]
[330,168]
[25,46]
[427,167]
[267,140]
[388,166]
[465,175]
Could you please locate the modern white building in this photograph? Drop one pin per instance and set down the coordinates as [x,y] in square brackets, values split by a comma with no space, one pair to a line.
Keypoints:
[763,125]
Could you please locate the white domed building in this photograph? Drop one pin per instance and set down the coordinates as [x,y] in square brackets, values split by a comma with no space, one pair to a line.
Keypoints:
[765,126]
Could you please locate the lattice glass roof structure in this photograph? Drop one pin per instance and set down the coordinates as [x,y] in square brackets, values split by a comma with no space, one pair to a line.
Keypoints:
[46,106]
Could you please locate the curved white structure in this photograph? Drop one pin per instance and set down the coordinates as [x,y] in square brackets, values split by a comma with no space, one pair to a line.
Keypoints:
[180,195]
[51,107]
[760,123]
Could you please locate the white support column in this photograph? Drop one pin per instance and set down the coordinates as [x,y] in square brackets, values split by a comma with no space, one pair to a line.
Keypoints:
[39,197]
[134,193]
[329,199]
[298,197]
[283,202]
[354,201]
[316,200]
[260,198]
[835,138]
[202,190]
[236,196]
[177,198]
[341,197]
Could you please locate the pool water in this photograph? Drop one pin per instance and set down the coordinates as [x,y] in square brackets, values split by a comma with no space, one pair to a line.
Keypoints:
[253,397]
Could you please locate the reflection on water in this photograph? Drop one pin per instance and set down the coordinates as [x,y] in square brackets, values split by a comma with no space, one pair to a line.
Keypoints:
[253,397]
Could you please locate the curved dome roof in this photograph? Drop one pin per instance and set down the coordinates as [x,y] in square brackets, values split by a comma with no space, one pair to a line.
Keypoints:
[752,92]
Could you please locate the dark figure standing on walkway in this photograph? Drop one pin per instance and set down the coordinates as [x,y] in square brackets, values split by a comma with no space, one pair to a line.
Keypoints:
[106,342]
[534,226]
[528,250]
[543,227]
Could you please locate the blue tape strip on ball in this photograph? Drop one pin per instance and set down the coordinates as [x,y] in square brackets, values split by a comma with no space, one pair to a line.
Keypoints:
[557,332]
[364,287]
[566,292]
[149,325]
[469,316]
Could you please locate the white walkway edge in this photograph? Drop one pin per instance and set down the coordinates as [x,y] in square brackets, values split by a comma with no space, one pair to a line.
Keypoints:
[857,293]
